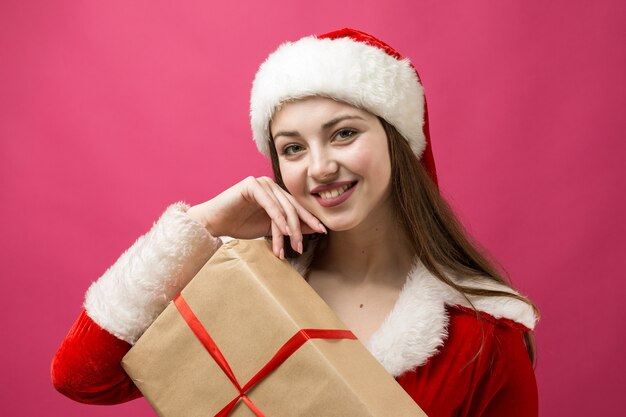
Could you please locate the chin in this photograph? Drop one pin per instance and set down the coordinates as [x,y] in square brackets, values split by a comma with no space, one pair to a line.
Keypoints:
[340,225]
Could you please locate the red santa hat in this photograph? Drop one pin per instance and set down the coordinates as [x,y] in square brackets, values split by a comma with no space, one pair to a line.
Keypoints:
[349,66]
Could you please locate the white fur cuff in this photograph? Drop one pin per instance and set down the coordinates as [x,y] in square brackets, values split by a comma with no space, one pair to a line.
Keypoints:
[138,287]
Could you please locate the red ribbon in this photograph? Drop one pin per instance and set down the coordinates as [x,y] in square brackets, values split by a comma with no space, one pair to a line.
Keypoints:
[292,345]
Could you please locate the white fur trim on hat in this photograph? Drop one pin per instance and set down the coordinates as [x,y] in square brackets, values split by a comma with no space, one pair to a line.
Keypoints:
[343,69]
[137,288]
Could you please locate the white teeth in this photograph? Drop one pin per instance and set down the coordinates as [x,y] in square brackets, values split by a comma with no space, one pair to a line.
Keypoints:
[334,193]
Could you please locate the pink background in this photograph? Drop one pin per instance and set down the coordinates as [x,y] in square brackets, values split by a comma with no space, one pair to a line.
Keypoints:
[109,111]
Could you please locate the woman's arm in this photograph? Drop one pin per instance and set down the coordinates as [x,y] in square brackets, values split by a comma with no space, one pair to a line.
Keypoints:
[138,287]
[86,367]
[121,305]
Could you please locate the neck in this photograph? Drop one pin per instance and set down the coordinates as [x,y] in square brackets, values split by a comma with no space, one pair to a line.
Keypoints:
[373,252]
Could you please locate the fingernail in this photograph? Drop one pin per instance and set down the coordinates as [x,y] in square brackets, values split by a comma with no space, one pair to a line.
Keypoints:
[288,231]
[300,247]
[323,228]
[282,254]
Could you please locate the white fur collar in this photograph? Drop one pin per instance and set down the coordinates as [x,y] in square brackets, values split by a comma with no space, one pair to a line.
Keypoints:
[418,323]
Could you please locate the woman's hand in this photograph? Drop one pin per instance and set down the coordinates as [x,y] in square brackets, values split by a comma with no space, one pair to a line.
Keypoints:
[257,207]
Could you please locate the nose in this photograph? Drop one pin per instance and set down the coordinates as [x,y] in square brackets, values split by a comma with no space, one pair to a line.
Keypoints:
[322,165]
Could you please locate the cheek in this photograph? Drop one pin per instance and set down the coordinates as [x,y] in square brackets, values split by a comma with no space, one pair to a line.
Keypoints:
[372,162]
[293,179]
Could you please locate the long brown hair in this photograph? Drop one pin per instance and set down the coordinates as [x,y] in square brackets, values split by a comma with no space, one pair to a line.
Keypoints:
[438,239]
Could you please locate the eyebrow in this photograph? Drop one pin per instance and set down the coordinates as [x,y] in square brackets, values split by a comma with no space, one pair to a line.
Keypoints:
[325,126]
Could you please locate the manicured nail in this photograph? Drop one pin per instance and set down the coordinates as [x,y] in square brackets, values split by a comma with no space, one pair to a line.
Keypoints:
[288,230]
[300,248]
[321,226]
[282,254]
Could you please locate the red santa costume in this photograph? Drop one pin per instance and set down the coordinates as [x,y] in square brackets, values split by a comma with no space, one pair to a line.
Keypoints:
[453,360]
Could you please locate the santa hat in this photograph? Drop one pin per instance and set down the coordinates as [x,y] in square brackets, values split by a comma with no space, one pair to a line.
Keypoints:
[349,66]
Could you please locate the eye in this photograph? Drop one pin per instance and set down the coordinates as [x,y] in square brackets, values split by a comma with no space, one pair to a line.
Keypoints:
[345,134]
[292,149]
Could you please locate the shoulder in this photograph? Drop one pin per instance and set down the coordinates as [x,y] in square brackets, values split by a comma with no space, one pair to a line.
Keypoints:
[476,334]
[491,362]
[503,369]
[493,343]
[482,369]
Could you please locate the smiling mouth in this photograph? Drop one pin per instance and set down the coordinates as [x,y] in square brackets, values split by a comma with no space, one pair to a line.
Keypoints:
[336,192]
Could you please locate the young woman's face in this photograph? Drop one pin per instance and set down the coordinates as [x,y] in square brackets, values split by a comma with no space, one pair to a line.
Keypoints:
[334,160]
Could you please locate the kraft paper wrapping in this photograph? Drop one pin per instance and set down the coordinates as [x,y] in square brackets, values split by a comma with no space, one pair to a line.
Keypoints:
[251,303]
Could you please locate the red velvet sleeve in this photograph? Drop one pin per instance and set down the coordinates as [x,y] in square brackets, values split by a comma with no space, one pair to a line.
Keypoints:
[506,385]
[87,368]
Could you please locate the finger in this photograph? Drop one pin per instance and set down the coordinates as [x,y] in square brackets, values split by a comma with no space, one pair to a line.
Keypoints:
[307,230]
[277,241]
[272,208]
[293,219]
[309,219]
[269,186]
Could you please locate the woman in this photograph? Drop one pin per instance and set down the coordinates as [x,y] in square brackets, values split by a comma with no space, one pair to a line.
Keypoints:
[344,120]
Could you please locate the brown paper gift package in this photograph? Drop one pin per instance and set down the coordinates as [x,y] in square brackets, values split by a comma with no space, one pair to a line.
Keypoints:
[251,303]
